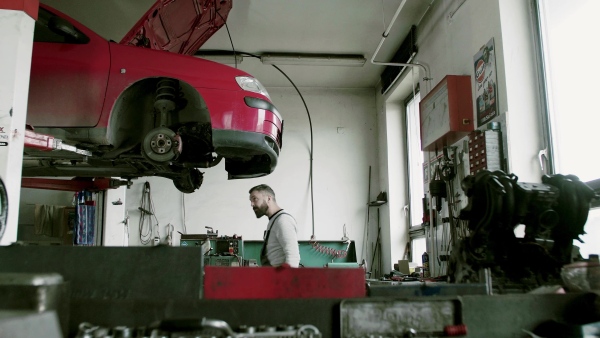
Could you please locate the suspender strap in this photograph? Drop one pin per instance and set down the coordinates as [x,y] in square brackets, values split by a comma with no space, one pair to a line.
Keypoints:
[264,261]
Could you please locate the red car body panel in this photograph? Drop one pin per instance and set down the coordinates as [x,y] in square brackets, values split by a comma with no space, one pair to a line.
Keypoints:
[84,75]
[59,72]
[236,115]
[178,26]
[215,83]
[101,95]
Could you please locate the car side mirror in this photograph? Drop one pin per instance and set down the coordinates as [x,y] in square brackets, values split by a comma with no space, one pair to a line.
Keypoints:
[66,29]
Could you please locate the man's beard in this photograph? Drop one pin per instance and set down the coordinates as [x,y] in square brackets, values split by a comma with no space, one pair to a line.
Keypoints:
[261,210]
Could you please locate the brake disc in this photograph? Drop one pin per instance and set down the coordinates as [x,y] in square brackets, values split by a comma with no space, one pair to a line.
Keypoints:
[161,144]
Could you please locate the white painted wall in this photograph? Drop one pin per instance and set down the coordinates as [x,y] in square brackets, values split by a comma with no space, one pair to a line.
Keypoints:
[345,145]
[29,199]
[448,37]
[115,218]
[523,105]
[398,187]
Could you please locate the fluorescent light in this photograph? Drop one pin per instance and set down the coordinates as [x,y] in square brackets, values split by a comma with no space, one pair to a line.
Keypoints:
[348,60]
[227,59]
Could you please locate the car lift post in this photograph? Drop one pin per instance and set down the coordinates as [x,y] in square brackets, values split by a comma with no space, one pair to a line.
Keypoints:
[17,21]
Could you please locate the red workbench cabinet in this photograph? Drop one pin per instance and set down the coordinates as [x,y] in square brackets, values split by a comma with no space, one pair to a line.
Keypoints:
[276,283]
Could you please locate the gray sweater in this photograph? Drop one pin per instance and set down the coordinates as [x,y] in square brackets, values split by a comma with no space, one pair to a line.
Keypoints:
[282,245]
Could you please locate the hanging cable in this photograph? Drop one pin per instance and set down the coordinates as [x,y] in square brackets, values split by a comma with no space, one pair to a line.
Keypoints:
[230,39]
[310,178]
[310,174]
[147,212]
[126,229]
[184,227]
[3,208]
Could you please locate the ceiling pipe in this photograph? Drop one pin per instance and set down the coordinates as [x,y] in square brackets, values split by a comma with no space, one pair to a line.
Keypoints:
[385,35]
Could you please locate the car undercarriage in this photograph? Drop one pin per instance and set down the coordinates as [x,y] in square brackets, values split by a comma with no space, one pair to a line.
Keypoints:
[172,140]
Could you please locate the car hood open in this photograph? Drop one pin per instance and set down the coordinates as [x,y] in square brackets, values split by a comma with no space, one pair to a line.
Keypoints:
[178,26]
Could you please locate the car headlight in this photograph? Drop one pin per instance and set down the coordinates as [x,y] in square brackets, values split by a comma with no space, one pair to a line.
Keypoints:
[252,85]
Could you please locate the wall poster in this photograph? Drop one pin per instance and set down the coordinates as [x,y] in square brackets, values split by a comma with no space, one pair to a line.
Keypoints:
[486,104]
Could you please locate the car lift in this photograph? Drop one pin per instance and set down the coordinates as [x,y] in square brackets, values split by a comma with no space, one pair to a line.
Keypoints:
[50,143]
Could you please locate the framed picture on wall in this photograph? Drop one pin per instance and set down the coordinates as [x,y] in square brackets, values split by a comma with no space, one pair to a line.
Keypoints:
[484,63]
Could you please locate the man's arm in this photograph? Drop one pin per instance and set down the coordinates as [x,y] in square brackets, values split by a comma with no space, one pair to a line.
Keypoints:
[288,239]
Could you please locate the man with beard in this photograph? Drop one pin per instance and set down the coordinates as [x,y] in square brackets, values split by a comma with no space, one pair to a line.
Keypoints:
[280,246]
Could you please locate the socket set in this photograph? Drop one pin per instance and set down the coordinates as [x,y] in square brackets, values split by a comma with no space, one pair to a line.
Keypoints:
[204,328]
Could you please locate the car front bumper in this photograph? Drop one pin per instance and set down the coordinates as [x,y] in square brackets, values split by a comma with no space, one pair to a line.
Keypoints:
[252,152]
[247,154]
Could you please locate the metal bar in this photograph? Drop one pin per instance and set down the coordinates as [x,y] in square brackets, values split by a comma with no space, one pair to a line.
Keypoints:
[38,141]
[50,143]
[72,185]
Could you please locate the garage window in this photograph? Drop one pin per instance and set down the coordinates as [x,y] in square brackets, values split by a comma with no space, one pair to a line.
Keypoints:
[415,178]
[568,31]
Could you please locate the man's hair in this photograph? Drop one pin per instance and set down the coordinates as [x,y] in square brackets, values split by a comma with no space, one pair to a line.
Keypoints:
[264,189]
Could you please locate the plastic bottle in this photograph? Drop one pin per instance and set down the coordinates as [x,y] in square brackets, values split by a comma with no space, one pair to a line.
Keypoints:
[425,259]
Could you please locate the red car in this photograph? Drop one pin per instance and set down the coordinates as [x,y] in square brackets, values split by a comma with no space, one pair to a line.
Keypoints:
[143,112]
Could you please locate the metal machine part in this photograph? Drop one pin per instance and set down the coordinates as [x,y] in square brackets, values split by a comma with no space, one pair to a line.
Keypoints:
[554,213]
[51,143]
[218,260]
[192,328]
[210,233]
[250,262]
[35,293]
[219,251]
[229,245]
[162,144]
[413,317]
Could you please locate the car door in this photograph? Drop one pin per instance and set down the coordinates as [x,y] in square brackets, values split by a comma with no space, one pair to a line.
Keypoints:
[68,75]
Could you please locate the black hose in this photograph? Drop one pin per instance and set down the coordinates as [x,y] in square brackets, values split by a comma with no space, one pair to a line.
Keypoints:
[3,208]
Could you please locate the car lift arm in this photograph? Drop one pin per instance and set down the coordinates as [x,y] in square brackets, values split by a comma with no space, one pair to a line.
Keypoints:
[77,184]
[50,143]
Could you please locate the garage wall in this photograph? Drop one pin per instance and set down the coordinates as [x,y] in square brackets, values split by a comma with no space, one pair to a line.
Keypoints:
[448,37]
[350,135]
[455,30]
[345,145]
[29,199]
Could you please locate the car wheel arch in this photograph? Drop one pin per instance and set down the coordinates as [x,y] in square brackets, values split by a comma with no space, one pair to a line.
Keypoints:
[132,114]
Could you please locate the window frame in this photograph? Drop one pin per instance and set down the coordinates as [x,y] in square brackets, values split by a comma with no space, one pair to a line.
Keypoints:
[550,114]
[415,231]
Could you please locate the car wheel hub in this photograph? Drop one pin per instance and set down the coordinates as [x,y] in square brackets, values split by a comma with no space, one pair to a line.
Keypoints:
[161,144]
